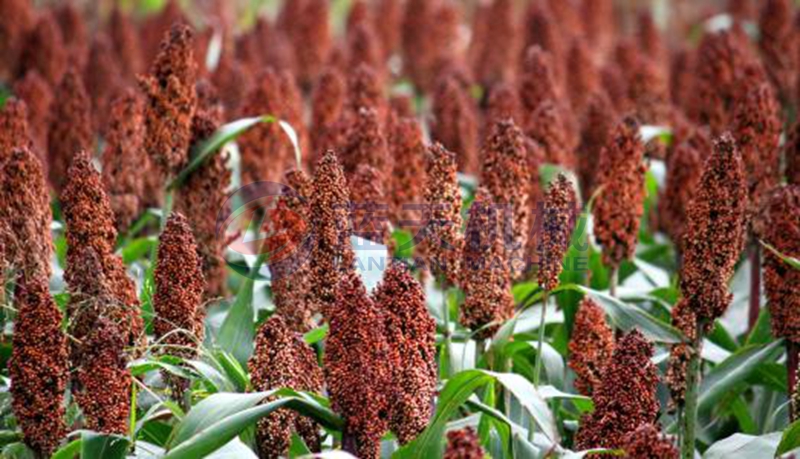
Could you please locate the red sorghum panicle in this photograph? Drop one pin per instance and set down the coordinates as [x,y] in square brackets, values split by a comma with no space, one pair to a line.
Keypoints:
[598,123]
[598,24]
[485,273]
[503,102]
[364,48]
[282,359]
[558,220]
[75,33]
[685,320]
[757,127]
[496,52]
[331,253]
[442,240]
[14,131]
[650,41]
[44,50]
[647,442]
[390,13]
[327,104]
[625,398]
[791,152]
[505,175]
[407,146]
[430,36]
[234,81]
[366,144]
[311,38]
[70,126]
[92,266]
[103,75]
[123,158]
[681,76]
[715,231]
[102,381]
[537,80]
[179,284]
[463,444]
[778,45]
[411,332]
[781,281]
[548,127]
[38,366]
[455,122]
[38,95]
[171,100]
[619,206]
[25,214]
[542,31]
[648,90]
[359,367]
[125,42]
[201,198]
[591,346]
[684,168]
[368,204]
[16,19]
[583,76]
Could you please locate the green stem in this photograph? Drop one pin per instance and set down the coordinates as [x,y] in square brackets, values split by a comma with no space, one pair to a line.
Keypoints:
[688,423]
[612,282]
[537,373]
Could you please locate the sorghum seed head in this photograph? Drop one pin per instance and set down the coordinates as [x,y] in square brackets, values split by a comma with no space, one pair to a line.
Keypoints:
[368,204]
[442,241]
[38,96]
[455,122]
[70,126]
[684,168]
[597,125]
[366,145]
[777,46]
[647,442]
[407,146]
[44,50]
[685,320]
[496,52]
[463,444]
[591,346]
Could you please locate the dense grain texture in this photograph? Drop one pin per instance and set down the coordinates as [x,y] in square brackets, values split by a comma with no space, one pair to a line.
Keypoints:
[407,146]
[685,320]
[647,442]
[441,238]
[455,122]
[70,126]
[463,444]
[684,168]
[558,220]
[591,346]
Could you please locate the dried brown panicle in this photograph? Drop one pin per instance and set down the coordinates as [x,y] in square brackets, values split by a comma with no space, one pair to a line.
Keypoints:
[583,76]
[366,144]
[485,271]
[331,253]
[123,158]
[14,132]
[541,30]
[70,126]
[430,38]
[648,90]
[548,127]
[620,205]
[369,209]
[411,332]
[537,78]
[781,216]
[558,220]
[715,231]
[16,20]
[591,346]
[455,122]
[778,45]
[598,25]
[171,101]
[311,38]
[626,397]
[442,240]
[38,96]
[364,48]
[126,44]
[681,76]
[44,50]
[407,146]
[685,320]
[505,175]
[359,365]
[503,102]
[684,168]
[282,359]
[75,33]
[327,104]
[390,13]
[496,53]
[791,152]
[103,75]
[647,442]
[463,444]
[597,125]
[39,366]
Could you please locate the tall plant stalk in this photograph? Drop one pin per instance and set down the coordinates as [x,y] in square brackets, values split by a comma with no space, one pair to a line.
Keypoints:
[755,286]
[688,421]
[537,373]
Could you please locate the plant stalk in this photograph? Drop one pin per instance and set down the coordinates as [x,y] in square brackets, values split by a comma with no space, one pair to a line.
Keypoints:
[755,286]
[612,281]
[537,373]
[688,422]
[792,350]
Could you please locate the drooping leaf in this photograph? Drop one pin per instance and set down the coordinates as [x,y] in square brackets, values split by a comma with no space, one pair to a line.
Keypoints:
[740,445]
[790,440]
[102,446]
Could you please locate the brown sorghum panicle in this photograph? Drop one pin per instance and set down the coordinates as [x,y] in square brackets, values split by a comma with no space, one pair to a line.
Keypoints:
[16,19]
[548,127]
[282,359]
[126,44]
[331,253]
[598,24]
[38,95]
[153,29]
[430,35]
[647,442]
[75,33]
[502,103]
[70,126]
[598,123]
[364,48]
[757,127]
[715,231]
[327,104]
[542,31]
[311,38]
[92,266]
[390,13]
[684,168]
[537,80]
[496,53]
[234,81]
[625,398]
[412,333]
[778,45]
[366,144]
[455,122]
[681,75]
[791,152]
[442,241]
[685,320]
[102,382]
[368,204]
[407,146]
[558,220]
[44,50]
[14,132]
[171,100]
[38,366]
[463,444]
[648,90]
[583,76]
[505,175]
[782,281]
[358,368]
[25,214]
[619,206]
[485,273]
[201,198]
[123,158]
[179,287]
[591,346]
[103,76]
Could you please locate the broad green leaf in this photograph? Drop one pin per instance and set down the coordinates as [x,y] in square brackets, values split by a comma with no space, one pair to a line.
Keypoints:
[744,446]
[627,317]
[212,376]
[721,380]
[316,335]
[790,440]
[68,451]
[523,449]
[531,400]
[237,332]
[233,370]
[18,450]
[137,249]
[211,410]
[100,446]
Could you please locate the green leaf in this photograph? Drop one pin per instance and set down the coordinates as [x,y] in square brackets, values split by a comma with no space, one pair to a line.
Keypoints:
[316,335]
[746,446]
[212,409]
[531,400]
[226,133]
[137,249]
[102,446]
[234,370]
[238,330]
[793,262]
[723,379]
[627,317]
[18,450]
[790,440]
[68,451]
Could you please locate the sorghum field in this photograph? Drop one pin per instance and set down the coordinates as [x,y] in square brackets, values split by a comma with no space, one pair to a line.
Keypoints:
[399,229]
